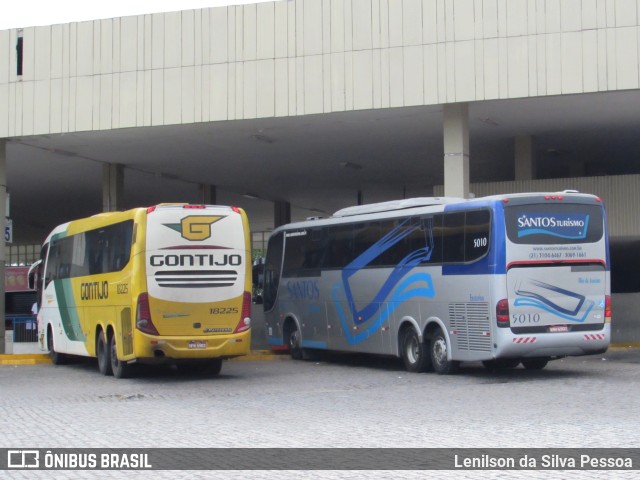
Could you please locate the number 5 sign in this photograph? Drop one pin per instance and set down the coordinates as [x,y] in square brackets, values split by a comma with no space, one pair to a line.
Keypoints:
[8,231]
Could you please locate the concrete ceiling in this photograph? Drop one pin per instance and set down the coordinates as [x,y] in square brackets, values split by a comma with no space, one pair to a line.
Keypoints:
[317,162]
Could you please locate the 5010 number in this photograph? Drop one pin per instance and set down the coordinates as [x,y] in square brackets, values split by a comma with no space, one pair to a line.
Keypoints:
[479,242]
[525,318]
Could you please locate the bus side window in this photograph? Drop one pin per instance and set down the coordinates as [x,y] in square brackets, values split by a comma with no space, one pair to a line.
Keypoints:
[294,255]
[316,249]
[433,237]
[453,238]
[52,264]
[476,237]
[340,246]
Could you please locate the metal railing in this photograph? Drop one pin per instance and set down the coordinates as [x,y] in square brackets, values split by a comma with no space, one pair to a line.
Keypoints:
[25,328]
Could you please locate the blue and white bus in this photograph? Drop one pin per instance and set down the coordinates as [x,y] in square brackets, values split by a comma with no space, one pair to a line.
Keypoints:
[506,279]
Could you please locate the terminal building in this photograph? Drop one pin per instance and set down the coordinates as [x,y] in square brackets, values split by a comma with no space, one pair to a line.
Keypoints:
[297,108]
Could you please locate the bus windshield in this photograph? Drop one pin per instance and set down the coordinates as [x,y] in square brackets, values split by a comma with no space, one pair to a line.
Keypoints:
[554,223]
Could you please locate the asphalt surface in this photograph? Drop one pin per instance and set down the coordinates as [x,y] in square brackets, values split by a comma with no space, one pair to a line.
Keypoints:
[339,401]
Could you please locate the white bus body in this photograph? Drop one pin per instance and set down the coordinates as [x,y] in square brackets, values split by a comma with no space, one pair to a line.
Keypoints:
[509,279]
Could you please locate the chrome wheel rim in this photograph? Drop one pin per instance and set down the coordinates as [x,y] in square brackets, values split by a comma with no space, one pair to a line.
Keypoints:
[440,351]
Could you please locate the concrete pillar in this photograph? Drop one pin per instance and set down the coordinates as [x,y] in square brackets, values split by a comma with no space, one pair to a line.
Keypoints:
[281,213]
[525,161]
[3,209]
[208,194]
[112,186]
[456,149]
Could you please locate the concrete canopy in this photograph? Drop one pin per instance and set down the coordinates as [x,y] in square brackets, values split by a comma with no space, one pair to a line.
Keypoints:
[318,163]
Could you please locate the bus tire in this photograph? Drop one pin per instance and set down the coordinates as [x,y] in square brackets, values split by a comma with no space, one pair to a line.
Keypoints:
[214,366]
[102,352]
[295,343]
[56,358]
[119,368]
[415,353]
[501,364]
[438,351]
[209,367]
[535,363]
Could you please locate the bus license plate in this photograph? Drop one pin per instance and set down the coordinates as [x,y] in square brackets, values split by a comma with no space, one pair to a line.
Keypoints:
[197,344]
[558,328]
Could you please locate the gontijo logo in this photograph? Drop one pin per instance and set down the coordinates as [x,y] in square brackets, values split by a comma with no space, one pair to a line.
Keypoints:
[195,227]
[571,226]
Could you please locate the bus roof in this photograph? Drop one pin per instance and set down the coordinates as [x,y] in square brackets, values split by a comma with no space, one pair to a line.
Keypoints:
[120,215]
[396,205]
[341,215]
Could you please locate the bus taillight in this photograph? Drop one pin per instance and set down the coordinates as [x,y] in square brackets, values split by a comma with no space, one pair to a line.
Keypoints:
[245,319]
[502,313]
[607,309]
[143,316]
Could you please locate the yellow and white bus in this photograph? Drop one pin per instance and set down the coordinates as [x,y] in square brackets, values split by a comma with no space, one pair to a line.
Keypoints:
[169,283]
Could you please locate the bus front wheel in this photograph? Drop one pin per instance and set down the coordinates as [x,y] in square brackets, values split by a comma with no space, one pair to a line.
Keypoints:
[438,350]
[119,368]
[56,358]
[414,352]
[102,352]
[295,343]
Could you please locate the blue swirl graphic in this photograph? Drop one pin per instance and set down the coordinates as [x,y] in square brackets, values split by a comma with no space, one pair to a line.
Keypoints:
[416,285]
[531,302]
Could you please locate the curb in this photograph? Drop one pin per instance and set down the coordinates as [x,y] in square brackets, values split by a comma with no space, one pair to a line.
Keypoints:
[625,346]
[24,359]
[41,358]
[261,355]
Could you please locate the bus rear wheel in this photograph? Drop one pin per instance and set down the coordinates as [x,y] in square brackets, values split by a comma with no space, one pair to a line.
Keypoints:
[119,368]
[415,353]
[501,364]
[535,363]
[102,352]
[214,366]
[439,352]
[211,366]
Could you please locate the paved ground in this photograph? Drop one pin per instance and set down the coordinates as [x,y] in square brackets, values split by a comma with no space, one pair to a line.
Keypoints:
[346,401]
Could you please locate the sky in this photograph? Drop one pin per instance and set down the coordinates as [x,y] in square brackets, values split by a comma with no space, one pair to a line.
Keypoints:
[29,13]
